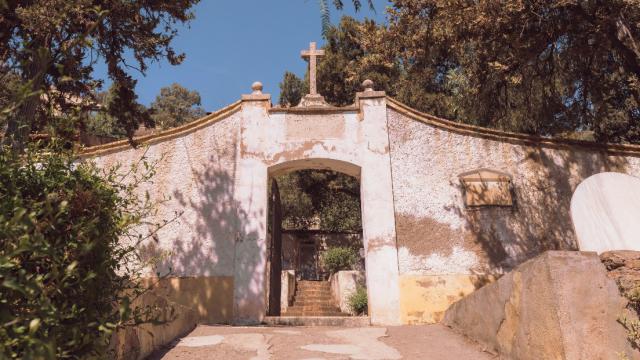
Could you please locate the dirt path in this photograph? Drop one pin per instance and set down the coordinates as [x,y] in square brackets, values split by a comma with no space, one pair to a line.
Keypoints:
[316,343]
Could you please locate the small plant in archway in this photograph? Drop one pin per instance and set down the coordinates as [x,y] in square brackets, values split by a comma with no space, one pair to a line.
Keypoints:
[339,258]
[358,301]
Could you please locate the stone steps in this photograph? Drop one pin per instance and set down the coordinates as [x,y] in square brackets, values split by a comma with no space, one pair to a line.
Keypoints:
[313,313]
[313,299]
[313,309]
[313,302]
[343,321]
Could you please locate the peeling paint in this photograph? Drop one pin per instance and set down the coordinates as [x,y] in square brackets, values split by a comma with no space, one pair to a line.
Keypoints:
[425,249]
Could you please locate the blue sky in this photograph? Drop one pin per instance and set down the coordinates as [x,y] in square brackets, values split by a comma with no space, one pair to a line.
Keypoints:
[231,44]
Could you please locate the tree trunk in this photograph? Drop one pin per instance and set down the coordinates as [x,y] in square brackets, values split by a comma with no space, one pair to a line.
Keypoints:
[19,124]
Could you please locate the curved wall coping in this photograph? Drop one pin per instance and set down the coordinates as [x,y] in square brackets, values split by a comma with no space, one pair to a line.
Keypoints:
[505,136]
[164,135]
[448,125]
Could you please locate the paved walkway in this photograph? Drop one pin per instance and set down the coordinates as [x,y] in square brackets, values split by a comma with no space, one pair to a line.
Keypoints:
[317,343]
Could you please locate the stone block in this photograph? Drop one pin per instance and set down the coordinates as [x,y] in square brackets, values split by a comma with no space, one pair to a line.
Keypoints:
[343,285]
[559,305]
[287,289]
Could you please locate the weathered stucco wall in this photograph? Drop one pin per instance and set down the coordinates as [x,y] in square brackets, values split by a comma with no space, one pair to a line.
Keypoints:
[352,140]
[423,248]
[195,175]
[446,250]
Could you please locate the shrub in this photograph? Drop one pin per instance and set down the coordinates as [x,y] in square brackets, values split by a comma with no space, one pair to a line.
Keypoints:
[66,281]
[358,301]
[339,258]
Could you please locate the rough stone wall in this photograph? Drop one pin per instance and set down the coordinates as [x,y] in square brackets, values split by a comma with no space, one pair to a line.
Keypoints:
[623,266]
[441,243]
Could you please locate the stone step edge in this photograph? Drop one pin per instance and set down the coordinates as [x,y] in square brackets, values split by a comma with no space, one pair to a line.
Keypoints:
[347,321]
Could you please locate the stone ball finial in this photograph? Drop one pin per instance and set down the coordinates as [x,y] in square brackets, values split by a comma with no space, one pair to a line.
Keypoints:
[367,85]
[256,87]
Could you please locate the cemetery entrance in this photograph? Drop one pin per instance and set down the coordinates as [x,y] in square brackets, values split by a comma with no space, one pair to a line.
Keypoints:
[315,247]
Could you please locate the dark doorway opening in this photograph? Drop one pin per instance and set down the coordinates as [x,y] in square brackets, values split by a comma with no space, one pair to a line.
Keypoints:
[315,230]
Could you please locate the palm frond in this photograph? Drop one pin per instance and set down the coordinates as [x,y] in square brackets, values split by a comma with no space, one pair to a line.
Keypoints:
[371,7]
[325,16]
[325,13]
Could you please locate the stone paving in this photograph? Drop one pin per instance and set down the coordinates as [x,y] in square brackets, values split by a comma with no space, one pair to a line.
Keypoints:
[318,343]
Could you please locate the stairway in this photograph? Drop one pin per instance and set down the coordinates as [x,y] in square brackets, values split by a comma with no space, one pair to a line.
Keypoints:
[313,298]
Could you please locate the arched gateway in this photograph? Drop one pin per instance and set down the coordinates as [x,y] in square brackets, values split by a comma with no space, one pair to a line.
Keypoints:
[446,207]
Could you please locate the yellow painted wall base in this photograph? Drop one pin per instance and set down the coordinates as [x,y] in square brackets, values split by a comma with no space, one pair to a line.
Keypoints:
[210,296]
[424,299]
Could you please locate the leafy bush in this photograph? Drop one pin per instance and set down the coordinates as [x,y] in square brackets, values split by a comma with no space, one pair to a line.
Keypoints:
[66,281]
[339,258]
[358,301]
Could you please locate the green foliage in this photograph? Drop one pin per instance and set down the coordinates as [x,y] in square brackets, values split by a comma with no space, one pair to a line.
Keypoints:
[292,89]
[546,68]
[632,325]
[69,268]
[100,122]
[176,105]
[321,199]
[358,301]
[325,13]
[339,258]
[539,67]
[297,208]
[53,46]
[348,62]
[10,84]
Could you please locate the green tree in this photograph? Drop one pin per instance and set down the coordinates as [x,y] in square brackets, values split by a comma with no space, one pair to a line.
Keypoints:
[298,211]
[100,121]
[69,268]
[176,105]
[541,67]
[325,13]
[348,62]
[292,89]
[323,198]
[10,84]
[54,44]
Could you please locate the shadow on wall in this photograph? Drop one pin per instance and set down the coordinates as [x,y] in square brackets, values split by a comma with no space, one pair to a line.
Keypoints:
[540,217]
[201,261]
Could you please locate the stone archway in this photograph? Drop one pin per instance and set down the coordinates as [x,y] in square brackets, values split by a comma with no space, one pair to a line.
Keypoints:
[354,141]
[295,249]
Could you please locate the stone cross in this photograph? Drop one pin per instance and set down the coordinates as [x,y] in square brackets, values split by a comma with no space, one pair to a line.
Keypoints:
[313,54]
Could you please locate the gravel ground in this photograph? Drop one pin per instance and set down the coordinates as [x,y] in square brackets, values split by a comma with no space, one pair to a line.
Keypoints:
[316,343]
